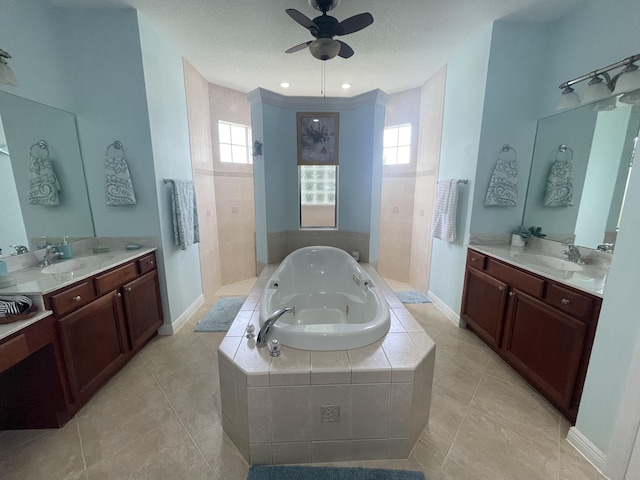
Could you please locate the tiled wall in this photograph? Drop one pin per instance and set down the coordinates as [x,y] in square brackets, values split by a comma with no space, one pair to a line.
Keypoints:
[428,161]
[233,191]
[197,91]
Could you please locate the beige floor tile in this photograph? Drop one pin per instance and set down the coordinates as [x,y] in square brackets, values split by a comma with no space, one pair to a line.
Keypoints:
[574,466]
[519,408]
[452,471]
[429,318]
[56,455]
[463,351]
[494,451]
[428,458]
[241,288]
[454,379]
[398,286]
[127,408]
[166,452]
[498,368]
[445,418]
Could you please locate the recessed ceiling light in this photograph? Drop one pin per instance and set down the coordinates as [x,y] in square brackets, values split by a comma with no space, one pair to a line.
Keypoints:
[346,86]
[285,85]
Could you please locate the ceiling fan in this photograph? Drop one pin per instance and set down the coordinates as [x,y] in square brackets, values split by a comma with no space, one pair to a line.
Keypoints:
[325,27]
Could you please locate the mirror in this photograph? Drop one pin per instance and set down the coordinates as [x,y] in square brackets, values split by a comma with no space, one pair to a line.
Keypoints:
[23,124]
[600,145]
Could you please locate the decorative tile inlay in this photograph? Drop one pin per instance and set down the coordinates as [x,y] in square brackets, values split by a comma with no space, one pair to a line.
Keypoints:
[330,413]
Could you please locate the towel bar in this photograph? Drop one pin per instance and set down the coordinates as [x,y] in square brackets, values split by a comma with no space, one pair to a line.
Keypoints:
[117,145]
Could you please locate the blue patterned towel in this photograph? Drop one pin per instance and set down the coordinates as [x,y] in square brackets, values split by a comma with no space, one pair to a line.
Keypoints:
[186,230]
[559,188]
[503,186]
[43,183]
[118,184]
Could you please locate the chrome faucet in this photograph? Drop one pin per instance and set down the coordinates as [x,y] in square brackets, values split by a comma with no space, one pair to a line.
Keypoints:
[19,249]
[50,253]
[263,335]
[606,247]
[573,254]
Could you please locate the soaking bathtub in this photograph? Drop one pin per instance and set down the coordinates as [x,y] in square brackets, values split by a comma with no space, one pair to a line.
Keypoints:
[335,305]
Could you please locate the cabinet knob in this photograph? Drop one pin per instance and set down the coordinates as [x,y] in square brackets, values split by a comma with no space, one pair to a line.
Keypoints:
[150,262]
[565,301]
[77,298]
[511,294]
[501,288]
[128,289]
[473,259]
[118,294]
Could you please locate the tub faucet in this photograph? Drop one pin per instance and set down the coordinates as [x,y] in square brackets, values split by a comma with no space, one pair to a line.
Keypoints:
[263,335]
[50,253]
[573,254]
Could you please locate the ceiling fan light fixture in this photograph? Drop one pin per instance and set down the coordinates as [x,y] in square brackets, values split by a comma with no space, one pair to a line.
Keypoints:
[324,5]
[324,48]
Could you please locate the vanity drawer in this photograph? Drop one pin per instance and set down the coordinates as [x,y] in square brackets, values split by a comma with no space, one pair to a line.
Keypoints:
[573,303]
[115,278]
[72,298]
[515,278]
[476,260]
[147,263]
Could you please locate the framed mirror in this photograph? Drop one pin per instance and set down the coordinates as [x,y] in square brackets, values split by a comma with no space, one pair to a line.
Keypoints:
[591,151]
[24,124]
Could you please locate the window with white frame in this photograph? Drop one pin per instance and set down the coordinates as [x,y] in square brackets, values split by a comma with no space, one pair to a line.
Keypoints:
[318,188]
[235,142]
[396,148]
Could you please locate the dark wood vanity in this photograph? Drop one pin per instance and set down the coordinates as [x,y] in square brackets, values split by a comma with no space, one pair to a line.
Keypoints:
[542,328]
[50,369]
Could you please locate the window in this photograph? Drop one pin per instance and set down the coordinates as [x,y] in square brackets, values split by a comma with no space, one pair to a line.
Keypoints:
[318,187]
[235,143]
[397,145]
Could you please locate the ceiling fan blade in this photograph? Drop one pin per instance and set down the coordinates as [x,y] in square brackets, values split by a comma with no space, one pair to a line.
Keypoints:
[345,50]
[298,47]
[354,24]
[301,18]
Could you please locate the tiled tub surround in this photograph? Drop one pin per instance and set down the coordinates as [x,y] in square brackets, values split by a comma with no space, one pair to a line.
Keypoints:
[308,406]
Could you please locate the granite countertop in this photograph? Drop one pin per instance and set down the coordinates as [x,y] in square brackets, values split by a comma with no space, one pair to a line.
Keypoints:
[590,279]
[32,281]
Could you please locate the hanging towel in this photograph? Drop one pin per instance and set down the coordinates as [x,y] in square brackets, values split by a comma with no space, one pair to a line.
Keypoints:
[118,184]
[43,183]
[443,225]
[559,188]
[503,186]
[186,230]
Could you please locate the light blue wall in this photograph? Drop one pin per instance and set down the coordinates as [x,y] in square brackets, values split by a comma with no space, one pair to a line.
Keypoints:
[463,104]
[361,124]
[166,98]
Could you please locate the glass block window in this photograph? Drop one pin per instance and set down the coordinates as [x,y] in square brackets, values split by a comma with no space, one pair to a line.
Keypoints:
[318,188]
[397,145]
[235,142]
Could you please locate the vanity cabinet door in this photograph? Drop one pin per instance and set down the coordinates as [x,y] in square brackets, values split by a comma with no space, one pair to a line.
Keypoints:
[544,345]
[93,344]
[483,305]
[143,309]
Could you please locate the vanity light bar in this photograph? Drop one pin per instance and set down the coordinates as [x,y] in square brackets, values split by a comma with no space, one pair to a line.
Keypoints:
[627,61]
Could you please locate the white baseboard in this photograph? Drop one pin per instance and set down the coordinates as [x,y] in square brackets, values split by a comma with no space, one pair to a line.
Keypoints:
[171,328]
[444,308]
[587,449]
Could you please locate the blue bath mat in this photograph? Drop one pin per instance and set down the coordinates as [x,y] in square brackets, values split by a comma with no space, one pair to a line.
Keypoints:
[221,316]
[412,297]
[297,472]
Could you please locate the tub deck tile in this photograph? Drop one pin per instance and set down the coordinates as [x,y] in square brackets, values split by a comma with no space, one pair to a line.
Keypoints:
[329,368]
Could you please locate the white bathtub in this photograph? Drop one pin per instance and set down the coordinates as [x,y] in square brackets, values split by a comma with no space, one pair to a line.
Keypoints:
[336,305]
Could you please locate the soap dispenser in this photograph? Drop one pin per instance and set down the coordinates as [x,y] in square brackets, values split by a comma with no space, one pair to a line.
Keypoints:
[65,249]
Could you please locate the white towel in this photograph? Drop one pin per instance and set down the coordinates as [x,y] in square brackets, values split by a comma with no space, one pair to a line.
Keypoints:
[559,188]
[444,216]
[503,186]
[186,230]
[118,184]
[43,183]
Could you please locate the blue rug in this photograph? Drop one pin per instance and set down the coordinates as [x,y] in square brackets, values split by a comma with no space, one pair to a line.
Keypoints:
[221,316]
[412,297]
[296,472]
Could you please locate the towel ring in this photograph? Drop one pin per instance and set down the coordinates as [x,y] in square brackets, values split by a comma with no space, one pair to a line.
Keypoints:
[563,149]
[117,145]
[505,148]
[43,146]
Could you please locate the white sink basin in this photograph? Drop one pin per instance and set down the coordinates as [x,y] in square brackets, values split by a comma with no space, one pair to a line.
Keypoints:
[550,262]
[67,266]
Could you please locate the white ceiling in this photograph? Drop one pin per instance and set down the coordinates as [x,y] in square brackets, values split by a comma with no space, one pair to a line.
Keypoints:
[240,44]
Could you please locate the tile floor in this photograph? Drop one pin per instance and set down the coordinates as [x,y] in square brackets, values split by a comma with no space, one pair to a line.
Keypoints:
[159,418]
